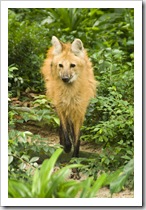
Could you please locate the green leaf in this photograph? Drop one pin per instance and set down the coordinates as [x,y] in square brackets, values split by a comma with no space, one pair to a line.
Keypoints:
[58,178]
[57,121]
[97,185]
[118,184]
[34,159]
[25,157]
[112,176]
[18,190]
[86,188]
[10,159]
[90,188]
[36,184]
[43,176]
[22,166]
[70,189]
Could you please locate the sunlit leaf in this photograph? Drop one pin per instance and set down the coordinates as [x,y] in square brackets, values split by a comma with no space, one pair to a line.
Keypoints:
[10,159]
[34,159]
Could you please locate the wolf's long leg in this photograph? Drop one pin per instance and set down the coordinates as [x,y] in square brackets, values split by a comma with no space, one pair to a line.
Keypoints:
[77,126]
[64,138]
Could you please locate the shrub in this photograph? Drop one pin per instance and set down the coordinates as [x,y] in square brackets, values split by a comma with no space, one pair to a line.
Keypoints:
[27,45]
[46,184]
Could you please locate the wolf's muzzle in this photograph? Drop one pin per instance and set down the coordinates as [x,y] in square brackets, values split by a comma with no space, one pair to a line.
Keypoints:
[65,79]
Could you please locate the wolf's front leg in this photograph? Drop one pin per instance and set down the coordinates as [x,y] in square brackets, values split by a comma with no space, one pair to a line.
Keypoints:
[64,138]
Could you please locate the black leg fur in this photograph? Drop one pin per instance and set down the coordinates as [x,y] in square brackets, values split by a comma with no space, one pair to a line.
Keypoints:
[65,139]
[75,140]
[76,149]
[70,130]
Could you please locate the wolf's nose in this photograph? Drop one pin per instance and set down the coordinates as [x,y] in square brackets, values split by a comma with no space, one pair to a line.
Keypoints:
[65,79]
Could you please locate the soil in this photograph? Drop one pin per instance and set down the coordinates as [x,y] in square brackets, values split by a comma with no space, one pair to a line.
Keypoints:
[86,149]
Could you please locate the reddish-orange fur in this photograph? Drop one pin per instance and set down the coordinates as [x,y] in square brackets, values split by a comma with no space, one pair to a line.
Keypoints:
[71,99]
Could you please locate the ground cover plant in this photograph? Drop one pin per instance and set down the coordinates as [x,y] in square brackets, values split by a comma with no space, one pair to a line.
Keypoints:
[108,36]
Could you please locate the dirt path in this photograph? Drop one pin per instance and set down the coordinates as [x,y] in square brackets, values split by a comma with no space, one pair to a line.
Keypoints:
[90,148]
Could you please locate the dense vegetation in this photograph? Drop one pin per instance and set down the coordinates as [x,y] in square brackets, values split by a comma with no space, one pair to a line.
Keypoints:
[108,36]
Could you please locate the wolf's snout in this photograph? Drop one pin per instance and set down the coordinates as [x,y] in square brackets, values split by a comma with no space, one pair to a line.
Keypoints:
[65,79]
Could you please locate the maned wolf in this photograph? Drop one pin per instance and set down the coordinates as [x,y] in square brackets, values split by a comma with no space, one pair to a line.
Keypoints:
[70,85]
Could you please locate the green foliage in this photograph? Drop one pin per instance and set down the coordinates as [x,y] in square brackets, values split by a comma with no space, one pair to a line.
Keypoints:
[45,111]
[116,180]
[46,183]
[110,117]
[18,189]
[117,184]
[67,19]
[49,184]
[14,81]
[113,127]
[26,52]
[24,154]
[41,112]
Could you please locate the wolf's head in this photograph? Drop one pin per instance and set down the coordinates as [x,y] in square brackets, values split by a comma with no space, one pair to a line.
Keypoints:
[68,59]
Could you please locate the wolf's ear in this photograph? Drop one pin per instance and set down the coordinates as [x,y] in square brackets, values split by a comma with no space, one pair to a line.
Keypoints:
[77,47]
[57,45]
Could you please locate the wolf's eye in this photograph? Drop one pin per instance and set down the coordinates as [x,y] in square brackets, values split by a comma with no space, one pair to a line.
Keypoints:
[60,65]
[72,65]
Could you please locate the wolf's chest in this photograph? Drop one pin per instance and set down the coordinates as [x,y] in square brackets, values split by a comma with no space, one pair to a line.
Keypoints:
[70,100]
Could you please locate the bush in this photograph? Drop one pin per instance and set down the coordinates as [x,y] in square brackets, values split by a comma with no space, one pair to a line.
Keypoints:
[27,45]
[25,155]
[46,183]
[39,111]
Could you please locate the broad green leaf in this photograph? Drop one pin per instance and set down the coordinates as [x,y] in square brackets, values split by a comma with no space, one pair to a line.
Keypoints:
[86,188]
[36,184]
[118,184]
[10,159]
[22,166]
[25,157]
[59,178]
[44,174]
[34,159]
[97,185]
[112,176]
[70,189]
